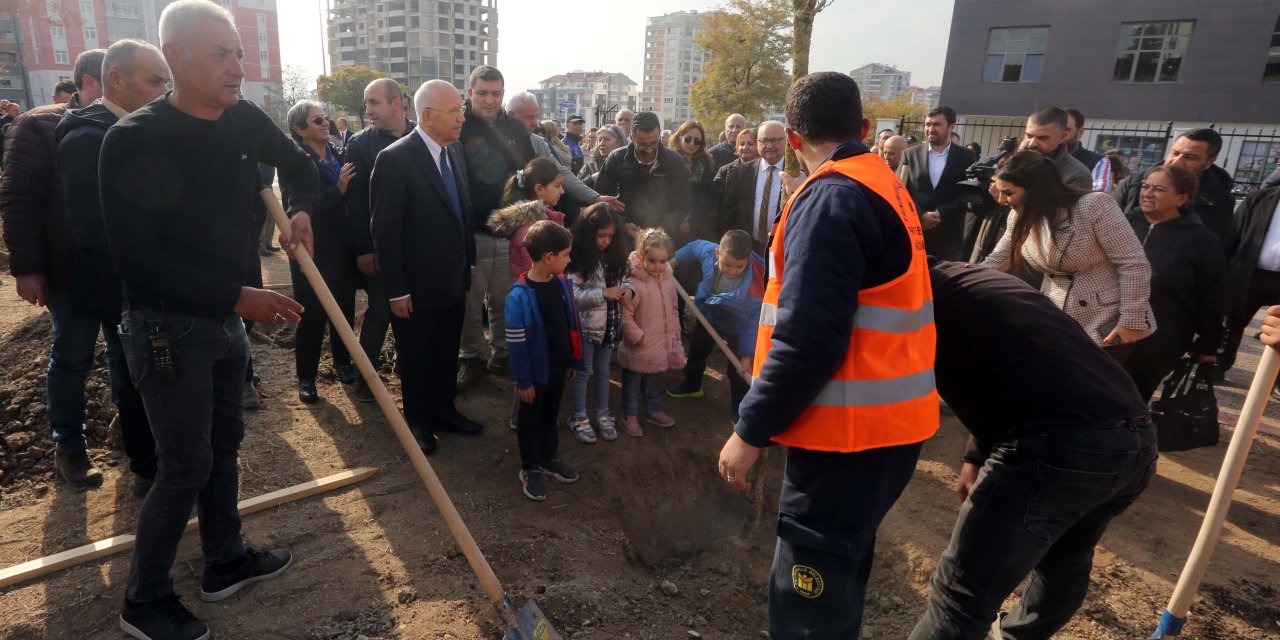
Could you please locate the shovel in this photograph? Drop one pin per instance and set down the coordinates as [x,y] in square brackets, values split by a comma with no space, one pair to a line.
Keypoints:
[527,623]
[692,305]
[1175,615]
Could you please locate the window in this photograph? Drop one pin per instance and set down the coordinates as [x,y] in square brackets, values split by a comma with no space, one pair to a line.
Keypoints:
[60,56]
[90,33]
[444,24]
[86,8]
[1139,152]
[1258,158]
[1151,51]
[1272,72]
[1015,54]
[57,32]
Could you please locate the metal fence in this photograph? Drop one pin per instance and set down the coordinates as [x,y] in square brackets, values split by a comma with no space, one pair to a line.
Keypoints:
[1249,154]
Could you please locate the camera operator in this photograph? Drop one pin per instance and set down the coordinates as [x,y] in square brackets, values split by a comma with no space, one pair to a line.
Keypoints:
[178,221]
[1061,444]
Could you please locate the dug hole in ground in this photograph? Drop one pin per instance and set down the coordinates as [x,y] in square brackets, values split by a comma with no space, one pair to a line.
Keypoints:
[643,546]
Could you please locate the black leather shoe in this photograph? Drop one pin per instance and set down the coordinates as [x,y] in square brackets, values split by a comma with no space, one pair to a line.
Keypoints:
[459,423]
[347,373]
[307,391]
[426,440]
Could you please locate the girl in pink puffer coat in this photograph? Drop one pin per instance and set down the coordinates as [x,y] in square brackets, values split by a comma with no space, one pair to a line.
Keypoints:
[650,329]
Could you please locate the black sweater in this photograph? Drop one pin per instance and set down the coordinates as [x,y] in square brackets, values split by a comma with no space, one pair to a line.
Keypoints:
[1186,277]
[1011,363]
[177,200]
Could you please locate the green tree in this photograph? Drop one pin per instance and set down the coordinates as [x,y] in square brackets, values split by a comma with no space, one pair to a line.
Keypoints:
[344,88]
[748,43]
[802,14]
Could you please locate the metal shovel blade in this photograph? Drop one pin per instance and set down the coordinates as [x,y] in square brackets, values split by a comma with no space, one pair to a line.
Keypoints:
[533,625]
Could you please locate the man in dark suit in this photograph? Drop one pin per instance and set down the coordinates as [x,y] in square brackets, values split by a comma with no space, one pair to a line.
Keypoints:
[933,171]
[752,195]
[344,134]
[1253,267]
[425,249]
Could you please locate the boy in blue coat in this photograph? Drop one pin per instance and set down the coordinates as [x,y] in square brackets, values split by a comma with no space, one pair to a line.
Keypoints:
[545,350]
[729,295]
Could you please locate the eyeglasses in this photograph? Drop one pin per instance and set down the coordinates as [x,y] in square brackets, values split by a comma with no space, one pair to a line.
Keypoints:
[320,120]
[771,141]
[452,113]
[692,140]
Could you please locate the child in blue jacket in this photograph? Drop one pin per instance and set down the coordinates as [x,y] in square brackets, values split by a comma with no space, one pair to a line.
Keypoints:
[545,350]
[729,295]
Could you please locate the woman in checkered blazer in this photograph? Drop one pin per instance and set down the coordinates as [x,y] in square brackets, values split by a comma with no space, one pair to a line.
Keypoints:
[1093,265]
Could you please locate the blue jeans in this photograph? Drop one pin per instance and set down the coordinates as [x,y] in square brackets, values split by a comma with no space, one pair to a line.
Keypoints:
[595,358]
[1047,499]
[633,382]
[70,359]
[198,425]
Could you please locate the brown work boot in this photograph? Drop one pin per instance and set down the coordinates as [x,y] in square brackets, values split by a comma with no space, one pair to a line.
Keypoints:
[77,469]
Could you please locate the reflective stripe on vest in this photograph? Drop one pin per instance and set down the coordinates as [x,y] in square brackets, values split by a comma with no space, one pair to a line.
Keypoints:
[882,394]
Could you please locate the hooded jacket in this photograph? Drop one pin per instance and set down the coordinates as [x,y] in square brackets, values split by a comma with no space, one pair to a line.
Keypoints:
[494,151]
[1186,278]
[31,198]
[513,223]
[92,280]
[650,322]
[1215,204]
[527,335]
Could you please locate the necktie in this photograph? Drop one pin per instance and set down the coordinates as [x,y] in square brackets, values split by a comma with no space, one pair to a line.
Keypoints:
[765,220]
[450,185]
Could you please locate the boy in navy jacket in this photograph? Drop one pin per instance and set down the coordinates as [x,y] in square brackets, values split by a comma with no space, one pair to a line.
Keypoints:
[729,295]
[545,349]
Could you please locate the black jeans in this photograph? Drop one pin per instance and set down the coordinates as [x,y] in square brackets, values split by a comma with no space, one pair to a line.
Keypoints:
[828,513]
[377,318]
[1264,290]
[1148,367]
[536,422]
[1040,505]
[310,335]
[135,430]
[701,346]
[198,425]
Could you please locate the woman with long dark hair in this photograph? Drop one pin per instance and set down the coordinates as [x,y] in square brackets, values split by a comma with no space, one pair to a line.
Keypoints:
[335,257]
[1092,262]
[690,141]
[1187,264]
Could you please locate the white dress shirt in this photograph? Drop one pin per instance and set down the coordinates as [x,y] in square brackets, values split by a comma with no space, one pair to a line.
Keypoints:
[775,192]
[937,162]
[1269,258]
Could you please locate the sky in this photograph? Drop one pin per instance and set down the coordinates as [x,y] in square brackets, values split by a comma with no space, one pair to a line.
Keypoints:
[536,41]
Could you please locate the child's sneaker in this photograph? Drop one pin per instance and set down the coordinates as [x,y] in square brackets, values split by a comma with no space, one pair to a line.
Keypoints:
[661,419]
[532,484]
[582,430]
[632,426]
[685,389]
[562,472]
[608,428]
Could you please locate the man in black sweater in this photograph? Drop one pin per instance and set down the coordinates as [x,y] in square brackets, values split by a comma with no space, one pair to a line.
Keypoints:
[178,180]
[1061,444]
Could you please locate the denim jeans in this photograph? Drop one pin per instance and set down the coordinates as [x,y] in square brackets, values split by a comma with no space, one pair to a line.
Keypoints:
[1040,505]
[135,430]
[633,383]
[198,425]
[596,359]
[70,359]
[490,281]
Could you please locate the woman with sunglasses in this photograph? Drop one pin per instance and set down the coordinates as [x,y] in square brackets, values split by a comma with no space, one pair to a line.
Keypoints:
[690,141]
[334,255]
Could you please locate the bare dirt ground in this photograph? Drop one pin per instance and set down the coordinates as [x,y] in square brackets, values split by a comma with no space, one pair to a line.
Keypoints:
[375,560]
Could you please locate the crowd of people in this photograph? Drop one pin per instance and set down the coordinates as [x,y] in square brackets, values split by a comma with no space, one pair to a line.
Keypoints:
[491,243]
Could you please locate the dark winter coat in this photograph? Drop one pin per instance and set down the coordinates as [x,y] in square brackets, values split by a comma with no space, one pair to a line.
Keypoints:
[330,228]
[361,151]
[1186,283]
[1214,201]
[494,152]
[1252,219]
[31,200]
[93,283]
[656,195]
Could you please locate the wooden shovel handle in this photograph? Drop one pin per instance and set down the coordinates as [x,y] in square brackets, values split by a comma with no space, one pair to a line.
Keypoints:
[732,357]
[488,580]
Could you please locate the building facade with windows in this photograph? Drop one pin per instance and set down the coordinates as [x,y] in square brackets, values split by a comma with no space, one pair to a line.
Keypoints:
[596,95]
[1147,68]
[672,63]
[414,40]
[53,33]
[884,81]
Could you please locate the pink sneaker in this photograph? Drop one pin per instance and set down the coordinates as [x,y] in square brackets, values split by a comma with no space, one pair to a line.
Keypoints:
[632,426]
[661,419]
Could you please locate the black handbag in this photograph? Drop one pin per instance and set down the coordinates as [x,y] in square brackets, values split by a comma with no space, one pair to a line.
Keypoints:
[1186,415]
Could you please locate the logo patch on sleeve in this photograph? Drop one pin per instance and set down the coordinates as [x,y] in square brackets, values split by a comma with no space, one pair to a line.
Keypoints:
[806,581]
